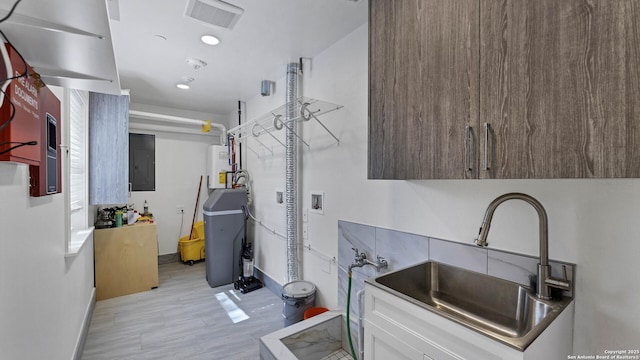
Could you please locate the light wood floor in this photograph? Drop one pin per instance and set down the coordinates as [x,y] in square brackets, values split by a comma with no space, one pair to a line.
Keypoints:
[183,318]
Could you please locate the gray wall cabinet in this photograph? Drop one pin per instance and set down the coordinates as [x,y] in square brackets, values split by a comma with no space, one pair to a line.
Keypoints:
[504,89]
[108,149]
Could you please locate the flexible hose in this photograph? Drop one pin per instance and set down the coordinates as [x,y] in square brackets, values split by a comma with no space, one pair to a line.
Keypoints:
[353,352]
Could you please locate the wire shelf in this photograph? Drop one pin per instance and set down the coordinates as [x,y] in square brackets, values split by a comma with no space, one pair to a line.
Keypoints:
[305,109]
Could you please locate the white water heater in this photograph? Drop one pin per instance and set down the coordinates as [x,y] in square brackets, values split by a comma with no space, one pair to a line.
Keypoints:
[217,166]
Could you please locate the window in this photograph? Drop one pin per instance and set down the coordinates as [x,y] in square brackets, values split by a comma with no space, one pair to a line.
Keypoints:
[76,204]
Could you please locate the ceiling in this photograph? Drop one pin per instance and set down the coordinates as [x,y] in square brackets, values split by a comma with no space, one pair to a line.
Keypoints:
[268,35]
[67,41]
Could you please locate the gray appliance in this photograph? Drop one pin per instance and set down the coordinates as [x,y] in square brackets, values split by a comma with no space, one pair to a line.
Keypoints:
[224,229]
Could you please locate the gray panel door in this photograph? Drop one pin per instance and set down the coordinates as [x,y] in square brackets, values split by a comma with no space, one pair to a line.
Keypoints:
[142,162]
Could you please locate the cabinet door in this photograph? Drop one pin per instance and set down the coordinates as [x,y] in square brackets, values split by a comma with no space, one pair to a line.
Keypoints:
[126,260]
[423,88]
[380,345]
[142,162]
[108,148]
[560,87]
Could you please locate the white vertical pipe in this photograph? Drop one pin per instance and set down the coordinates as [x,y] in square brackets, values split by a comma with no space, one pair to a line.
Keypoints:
[291,182]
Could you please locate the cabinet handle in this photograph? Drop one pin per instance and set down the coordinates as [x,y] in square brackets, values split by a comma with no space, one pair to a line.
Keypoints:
[130,187]
[467,148]
[486,147]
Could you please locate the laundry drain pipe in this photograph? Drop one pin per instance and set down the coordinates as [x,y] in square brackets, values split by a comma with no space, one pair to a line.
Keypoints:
[291,181]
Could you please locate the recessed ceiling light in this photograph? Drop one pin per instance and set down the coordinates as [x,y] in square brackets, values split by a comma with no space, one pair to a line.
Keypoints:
[210,40]
[184,85]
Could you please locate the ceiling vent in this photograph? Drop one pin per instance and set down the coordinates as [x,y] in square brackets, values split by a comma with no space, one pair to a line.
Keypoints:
[214,13]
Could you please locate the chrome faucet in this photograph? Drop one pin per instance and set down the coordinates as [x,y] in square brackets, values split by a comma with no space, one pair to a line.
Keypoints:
[545,281]
[361,260]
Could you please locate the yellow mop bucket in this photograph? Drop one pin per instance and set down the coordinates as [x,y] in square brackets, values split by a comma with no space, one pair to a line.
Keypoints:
[192,250]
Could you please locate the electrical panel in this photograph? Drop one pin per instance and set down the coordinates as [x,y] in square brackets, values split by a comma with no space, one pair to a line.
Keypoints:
[217,166]
[29,123]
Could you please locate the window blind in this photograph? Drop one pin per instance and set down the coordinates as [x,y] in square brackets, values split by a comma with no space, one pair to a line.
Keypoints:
[78,113]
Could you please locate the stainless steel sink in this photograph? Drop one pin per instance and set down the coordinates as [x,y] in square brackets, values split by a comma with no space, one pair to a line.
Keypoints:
[503,310]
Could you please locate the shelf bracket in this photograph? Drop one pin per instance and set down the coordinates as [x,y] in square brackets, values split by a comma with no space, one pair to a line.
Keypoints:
[277,119]
[253,151]
[256,134]
[310,114]
[264,146]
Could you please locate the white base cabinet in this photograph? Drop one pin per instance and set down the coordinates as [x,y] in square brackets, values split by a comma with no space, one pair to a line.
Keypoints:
[398,329]
[386,346]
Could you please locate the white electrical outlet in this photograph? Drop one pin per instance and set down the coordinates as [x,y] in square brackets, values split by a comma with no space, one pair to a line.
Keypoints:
[305,215]
[305,231]
[180,209]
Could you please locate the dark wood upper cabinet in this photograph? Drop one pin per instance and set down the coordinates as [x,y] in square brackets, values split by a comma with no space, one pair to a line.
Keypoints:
[423,87]
[555,94]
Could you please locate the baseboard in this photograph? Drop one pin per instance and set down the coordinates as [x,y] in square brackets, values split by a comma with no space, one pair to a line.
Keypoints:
[168,258]
[82,337]
[268,282]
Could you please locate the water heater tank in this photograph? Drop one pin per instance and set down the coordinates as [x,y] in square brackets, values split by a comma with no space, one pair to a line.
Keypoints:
[217,166]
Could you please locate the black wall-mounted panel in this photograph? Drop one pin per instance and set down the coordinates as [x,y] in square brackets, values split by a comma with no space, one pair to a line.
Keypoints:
[142,162]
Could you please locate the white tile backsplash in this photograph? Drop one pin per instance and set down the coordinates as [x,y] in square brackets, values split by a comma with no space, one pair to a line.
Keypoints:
[361,237]
[402,249]
[523,269]
[512,267]
[465,256]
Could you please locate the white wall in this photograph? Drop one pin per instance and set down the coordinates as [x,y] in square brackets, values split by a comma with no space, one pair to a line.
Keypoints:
[591,222]
[180,160]
[43,296]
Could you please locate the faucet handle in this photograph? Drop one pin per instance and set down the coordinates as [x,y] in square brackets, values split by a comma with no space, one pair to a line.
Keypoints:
[359,255]
[564,272]
[382,262]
